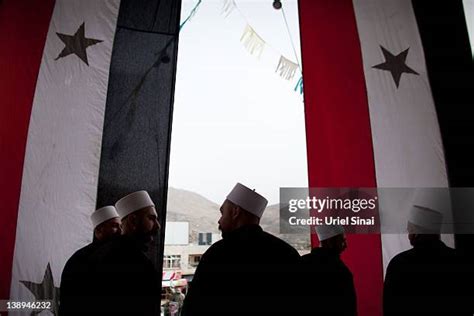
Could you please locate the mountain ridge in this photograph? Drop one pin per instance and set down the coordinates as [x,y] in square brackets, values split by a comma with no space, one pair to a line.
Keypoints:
[203,214]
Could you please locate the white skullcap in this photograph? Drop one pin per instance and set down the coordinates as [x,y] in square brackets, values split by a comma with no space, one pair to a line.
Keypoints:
[103,214]
[327,231]
[426,218]
[429,205]
[248,199]
[133,202]
[436,199]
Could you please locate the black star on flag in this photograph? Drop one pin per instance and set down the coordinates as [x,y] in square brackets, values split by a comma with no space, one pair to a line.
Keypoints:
[76,44]
[44,291]
[395,64]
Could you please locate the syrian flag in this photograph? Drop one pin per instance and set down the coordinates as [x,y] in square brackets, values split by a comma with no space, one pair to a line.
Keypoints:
[371,119]
[57,57]
[87,91]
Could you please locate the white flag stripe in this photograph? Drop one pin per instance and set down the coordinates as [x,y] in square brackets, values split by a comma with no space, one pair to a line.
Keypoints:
[408,150]
[61,168]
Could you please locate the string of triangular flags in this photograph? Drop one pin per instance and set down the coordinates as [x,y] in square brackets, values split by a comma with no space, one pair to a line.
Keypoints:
[255,45]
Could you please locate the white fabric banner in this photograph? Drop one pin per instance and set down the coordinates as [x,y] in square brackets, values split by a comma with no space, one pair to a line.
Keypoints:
[408,150]
[61,168]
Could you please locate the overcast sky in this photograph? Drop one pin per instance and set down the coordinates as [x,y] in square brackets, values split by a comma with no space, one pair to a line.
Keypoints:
[235,119]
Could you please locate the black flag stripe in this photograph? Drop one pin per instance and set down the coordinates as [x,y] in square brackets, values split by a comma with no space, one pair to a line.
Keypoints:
[137,126]
[444,34]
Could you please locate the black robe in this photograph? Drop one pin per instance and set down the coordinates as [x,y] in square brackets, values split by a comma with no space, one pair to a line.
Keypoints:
[125,280]
[328,284]
[426,280]
[75,282]
[248,272]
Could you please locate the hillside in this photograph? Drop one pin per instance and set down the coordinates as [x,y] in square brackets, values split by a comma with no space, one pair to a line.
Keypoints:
[203,214]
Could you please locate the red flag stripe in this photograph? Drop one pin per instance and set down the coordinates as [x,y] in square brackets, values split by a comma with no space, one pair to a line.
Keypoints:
[339,141]
[23,28]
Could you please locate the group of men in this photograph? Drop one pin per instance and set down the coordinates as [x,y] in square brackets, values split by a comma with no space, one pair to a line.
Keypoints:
[112,275]
[249,271]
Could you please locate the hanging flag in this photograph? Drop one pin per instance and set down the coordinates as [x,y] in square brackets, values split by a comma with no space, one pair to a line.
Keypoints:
[61,159]
[451,83]
[370,109]
[286,68]
[252,42]
[392,82]
[77,119]
[17,88]
[227,7]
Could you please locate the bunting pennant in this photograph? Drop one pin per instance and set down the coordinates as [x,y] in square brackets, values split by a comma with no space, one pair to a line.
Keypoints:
[227,7]
[252,42]
[286,68]
[255,46]
[299,85]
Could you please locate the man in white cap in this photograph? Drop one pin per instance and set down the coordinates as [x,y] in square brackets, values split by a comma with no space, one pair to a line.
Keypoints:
[427,279]
[328,282]
[248,271]
[73,289]
[126,281]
